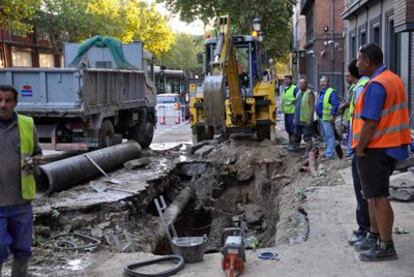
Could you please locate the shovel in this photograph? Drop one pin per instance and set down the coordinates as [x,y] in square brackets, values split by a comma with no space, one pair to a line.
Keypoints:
[107,179]
[338,148]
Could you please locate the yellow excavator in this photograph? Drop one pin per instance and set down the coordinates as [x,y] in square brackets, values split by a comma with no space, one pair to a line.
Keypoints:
[238,94]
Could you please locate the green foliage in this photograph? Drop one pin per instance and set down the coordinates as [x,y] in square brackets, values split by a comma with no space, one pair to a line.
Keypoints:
[183,54]
[275,16]
[18,13]
[126,20]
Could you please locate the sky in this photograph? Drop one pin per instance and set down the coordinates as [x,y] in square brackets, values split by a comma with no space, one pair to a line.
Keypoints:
[178,26]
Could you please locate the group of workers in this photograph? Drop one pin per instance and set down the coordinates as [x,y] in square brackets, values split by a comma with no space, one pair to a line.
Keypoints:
[379,135]
[299,106]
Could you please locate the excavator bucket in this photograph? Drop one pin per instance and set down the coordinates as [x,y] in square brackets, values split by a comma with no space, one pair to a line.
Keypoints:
[214,100]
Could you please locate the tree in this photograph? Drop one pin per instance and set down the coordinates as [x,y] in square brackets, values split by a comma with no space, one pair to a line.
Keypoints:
[127,20]
[18,13]
[183,54]
[275,16]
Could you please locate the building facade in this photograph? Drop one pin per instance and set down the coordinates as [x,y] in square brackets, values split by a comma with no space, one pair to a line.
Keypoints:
[26,50]
[390,24]
[323,50]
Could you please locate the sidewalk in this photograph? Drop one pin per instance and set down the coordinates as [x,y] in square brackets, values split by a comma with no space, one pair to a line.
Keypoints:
[332,218]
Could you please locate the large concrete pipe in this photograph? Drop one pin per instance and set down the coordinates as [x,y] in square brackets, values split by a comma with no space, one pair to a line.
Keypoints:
[63,174]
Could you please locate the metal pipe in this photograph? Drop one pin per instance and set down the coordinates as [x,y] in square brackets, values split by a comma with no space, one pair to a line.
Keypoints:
[66,173]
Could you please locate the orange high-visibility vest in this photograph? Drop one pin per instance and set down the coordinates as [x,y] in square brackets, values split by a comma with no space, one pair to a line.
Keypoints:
[393,128]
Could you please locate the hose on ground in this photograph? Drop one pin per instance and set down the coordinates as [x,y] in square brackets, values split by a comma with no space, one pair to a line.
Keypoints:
[129,269]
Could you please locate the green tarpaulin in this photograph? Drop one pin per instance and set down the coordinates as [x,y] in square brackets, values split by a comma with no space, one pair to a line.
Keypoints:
[114,45]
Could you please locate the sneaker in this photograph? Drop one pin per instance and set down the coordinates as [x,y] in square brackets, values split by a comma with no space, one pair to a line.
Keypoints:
[356,237]
[383,252]
[366,243]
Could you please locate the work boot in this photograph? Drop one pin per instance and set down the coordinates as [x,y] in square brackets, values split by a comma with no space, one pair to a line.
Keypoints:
[356,237]
[291,147]
[370,241]
[385,251]
[19,268]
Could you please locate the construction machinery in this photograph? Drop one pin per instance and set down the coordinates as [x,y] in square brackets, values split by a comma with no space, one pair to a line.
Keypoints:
[237,94]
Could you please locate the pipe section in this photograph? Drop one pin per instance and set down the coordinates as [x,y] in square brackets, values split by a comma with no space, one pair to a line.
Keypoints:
[64,174]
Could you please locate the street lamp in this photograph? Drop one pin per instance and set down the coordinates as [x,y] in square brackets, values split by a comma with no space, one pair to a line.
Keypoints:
[257,24]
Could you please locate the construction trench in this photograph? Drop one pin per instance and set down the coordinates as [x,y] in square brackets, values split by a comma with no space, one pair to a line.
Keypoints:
[238,182]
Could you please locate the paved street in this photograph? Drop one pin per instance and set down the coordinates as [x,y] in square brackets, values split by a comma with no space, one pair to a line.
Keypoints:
[170,135]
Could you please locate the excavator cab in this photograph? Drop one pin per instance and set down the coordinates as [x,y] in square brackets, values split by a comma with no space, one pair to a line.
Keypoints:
[235,98]
[247,53]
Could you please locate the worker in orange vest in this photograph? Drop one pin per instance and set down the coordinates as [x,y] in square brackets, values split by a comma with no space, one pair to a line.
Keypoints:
[380,137]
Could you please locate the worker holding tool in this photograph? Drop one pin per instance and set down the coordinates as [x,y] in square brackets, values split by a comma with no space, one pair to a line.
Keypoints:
[20,155]
[357,82]
[304,110]
[380,136]
[288,107]
[326,108]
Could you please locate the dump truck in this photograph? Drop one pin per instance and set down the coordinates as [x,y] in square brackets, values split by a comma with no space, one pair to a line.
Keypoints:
[237,94]
[105,92]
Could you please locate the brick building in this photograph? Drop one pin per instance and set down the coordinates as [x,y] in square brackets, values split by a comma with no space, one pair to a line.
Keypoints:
[323,51]
[26,50]
[390,24]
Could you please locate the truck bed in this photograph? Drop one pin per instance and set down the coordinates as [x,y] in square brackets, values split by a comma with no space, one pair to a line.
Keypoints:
[73,92]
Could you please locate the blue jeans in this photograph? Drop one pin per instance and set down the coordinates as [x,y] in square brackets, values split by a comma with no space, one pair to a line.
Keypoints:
[289,125]
[16,228]
[329,137]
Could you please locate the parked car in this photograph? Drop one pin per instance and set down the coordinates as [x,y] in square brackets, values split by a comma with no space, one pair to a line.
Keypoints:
[171,106]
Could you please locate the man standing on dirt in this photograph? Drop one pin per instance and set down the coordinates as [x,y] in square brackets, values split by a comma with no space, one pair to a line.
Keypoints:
[357,83]
[326,108]
[288,107]
[20,150]
[304,110]
[381,135]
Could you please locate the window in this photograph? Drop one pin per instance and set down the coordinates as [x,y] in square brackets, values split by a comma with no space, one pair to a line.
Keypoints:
[46,60]
[21,58]
[362,38]
[163,99]
[394,44]
[310,30]
[375,30]
[352,46]
[150,69]
[376,35]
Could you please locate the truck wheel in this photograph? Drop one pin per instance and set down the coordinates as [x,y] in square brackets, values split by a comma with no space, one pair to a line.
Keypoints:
[263,132]
[106,134]
[143,135]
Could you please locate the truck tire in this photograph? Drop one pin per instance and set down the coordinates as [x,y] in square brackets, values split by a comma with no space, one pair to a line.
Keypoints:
[263,132]
[106,134]
[143,133]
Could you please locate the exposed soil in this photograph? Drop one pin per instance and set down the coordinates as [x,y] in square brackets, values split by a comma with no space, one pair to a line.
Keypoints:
[241,182]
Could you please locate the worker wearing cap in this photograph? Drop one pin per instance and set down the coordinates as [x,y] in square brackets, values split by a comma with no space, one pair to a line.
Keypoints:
[380,137]
[20,150]
[288,107]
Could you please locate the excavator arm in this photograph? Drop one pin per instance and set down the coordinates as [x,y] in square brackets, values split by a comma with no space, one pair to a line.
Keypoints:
[223,68]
